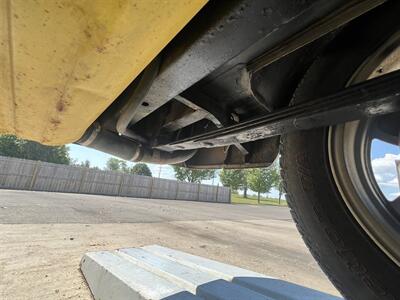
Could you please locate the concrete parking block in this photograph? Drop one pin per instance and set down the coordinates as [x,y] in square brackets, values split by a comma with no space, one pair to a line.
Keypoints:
[155,272]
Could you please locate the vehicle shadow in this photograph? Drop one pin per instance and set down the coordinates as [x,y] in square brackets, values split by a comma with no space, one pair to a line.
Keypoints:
[252,288]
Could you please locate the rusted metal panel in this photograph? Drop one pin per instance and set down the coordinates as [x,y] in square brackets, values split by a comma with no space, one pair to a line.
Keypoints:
[64,62]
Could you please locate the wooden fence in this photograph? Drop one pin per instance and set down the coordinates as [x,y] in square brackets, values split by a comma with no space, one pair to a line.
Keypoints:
[24,174]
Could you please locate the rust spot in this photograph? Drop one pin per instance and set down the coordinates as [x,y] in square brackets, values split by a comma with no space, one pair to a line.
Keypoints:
[87,33]
[55,122]
[100,49]
[60,106]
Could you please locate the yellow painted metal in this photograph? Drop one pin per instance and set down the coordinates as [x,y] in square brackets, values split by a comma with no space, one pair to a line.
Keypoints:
[63,62]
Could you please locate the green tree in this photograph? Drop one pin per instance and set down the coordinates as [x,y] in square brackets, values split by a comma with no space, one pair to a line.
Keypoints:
[280,189]
[85,164]
[119,165]
[141,169]
[245,184]
[278,183]
[192,175]
[123,166]
[113,164]
[15,147]
[10,145]
[261,180]
[235,179]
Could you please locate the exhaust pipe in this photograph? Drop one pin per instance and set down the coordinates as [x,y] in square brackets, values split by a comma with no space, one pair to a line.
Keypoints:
[118,145]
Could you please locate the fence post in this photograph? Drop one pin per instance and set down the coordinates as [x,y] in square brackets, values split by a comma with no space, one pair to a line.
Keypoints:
[120,185]
[84,174]
[34,175]
[198,191]
[177,190]
[151,187]
[216,194]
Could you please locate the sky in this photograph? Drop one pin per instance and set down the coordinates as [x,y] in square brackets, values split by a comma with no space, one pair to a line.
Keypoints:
[99,159]
[383,157]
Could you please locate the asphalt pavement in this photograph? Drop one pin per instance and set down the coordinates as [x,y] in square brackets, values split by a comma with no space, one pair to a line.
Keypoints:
[26,207]
[43,236]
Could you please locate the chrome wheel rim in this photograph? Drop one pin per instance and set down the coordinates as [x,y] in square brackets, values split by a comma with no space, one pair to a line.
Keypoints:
[349,151]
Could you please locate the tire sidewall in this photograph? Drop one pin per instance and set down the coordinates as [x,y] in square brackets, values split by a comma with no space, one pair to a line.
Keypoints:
[356,266]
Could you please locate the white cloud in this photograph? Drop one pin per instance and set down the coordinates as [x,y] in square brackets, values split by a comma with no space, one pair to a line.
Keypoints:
[386,164]
[378,177]
[394,182]
[386,175]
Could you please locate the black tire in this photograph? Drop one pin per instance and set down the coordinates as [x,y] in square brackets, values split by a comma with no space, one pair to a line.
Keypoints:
[353,262]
